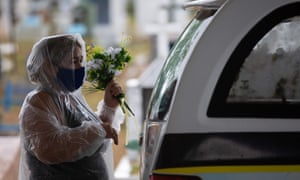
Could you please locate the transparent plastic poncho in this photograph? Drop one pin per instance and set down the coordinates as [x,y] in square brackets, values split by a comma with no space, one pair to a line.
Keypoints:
[61,137]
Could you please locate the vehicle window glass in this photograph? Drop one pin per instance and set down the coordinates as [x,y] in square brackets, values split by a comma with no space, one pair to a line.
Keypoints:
[262,76]
[271,72]
[164,89]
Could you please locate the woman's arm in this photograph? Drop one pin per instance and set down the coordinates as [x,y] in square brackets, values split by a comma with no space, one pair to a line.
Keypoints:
[51,141]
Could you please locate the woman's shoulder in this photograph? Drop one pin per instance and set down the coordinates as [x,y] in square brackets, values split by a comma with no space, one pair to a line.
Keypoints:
[39,97]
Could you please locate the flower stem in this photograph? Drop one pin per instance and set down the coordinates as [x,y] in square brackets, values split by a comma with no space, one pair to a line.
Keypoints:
[124,105]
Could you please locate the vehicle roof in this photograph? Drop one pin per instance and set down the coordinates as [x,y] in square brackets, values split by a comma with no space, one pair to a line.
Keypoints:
[228,26]
[204,4]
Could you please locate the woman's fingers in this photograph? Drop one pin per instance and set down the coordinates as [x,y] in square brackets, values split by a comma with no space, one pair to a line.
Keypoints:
[115,88]
[111,133]
[112,90]
[115,137]
[115,92]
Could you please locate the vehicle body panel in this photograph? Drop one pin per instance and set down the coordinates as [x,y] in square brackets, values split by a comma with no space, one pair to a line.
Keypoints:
[186,130]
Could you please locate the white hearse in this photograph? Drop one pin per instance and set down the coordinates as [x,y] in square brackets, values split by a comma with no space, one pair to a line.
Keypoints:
[226,104]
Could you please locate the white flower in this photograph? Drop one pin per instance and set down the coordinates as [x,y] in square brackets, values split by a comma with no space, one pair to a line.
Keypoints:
[112,70]
[92,65]
[98,61]
[109,50]
[117,50]
[113,51]
[117,73]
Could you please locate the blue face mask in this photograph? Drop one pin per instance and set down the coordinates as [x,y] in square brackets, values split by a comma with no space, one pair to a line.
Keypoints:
[72,79]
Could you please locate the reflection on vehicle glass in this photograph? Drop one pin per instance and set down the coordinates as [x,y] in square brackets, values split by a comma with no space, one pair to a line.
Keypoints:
[164,89]
[271,72]
[166,100]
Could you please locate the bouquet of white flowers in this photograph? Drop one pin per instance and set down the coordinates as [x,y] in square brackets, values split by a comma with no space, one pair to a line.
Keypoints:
[103,65]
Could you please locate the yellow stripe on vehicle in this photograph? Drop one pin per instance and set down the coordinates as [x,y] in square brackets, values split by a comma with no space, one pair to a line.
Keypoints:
[229,169]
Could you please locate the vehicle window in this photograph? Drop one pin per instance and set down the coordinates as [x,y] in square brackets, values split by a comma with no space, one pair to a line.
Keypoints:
[271,72]
[164,89]
[262,76]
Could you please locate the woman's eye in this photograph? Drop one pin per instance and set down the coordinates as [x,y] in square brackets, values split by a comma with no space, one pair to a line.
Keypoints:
[77,60]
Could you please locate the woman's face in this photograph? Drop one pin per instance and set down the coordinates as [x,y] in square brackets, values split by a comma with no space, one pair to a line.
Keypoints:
[74,59]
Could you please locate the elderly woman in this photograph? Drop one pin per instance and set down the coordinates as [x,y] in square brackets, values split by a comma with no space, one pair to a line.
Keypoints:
[62,138]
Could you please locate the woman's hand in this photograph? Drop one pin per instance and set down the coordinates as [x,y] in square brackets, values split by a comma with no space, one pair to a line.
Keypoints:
[112,90]
[111,133]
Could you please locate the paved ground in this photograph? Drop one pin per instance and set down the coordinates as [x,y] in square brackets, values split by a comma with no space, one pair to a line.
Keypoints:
[123,170]
[9,157]
[123,166]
